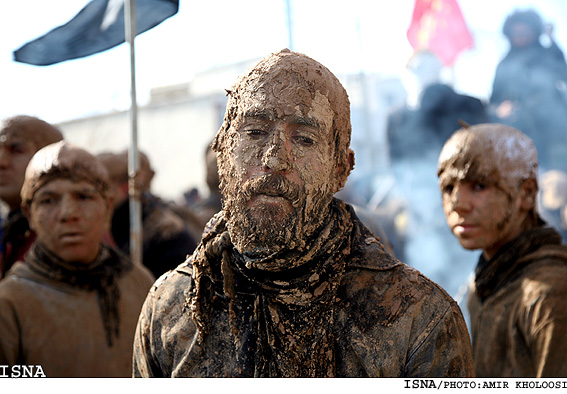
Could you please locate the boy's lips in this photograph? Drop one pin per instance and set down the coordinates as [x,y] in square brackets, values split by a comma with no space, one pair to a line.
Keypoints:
[463,228]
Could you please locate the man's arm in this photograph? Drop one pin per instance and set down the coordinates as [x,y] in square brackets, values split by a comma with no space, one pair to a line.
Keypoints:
[144,364]
[545,328]
[9,332]
[444,349]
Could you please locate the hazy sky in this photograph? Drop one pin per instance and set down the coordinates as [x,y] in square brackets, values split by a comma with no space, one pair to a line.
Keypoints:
[345,36]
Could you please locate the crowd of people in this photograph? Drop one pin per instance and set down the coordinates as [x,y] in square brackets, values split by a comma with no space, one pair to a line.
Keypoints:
[273,275]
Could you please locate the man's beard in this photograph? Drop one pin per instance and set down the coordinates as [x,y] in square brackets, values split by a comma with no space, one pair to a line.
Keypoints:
[264,230]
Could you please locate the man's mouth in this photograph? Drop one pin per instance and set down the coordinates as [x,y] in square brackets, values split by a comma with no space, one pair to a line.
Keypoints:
[71,236]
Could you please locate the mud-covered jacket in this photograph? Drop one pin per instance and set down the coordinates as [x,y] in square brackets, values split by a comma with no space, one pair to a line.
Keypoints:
[58,324]
[388,320]
[518,309]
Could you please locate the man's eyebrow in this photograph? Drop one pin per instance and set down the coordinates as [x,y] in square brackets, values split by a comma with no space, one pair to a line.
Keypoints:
[260,114]
[304,121]
[47,192]
[271,116]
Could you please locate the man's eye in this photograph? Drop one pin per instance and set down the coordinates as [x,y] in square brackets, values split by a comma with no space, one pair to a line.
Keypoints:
[305,141]
[17,149]
[46,201]
[85,196]
[255,133]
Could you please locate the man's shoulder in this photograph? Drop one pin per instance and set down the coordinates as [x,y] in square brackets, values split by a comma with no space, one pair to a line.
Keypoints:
[377,274]
[548,266]
[174,282]
[21,283]
[395,276]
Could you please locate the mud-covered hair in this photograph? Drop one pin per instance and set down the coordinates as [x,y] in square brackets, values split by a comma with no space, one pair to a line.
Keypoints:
[62,160]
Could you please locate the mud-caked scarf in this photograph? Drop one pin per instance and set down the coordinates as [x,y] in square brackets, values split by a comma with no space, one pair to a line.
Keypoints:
[292,319]
[101,276]
[508,263]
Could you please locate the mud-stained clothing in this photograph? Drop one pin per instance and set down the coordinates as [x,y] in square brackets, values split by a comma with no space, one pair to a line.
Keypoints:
[349,310]
[75,320]
[518,308]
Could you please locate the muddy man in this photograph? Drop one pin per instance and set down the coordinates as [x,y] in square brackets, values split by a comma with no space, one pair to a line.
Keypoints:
[288,282]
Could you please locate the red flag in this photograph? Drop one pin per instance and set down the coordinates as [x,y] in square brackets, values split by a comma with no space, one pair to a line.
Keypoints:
[439,26]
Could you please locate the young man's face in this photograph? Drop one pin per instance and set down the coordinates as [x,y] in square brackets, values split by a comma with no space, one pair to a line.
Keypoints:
[15,154]
[70,218]
[482,216]
[283,167]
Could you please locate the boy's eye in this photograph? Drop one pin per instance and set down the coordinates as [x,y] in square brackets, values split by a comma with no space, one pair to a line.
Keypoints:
[448,189]
[46,201]
[477,186]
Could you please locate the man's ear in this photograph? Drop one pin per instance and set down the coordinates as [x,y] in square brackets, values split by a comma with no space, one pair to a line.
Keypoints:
[343,171]
[26,212]
[528,194]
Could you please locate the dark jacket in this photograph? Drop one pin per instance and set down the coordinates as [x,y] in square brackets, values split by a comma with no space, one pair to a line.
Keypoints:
[384,319]
[518,309]
[73,320]
[166,238]
[17,238]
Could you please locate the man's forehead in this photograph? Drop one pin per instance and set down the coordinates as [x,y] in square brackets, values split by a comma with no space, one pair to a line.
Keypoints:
[476,170]
[300,109]
[58,185]
[271,115]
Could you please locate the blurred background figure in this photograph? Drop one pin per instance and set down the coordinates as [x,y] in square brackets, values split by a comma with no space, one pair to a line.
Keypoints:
[205,207]
[431,113]
[20,137]
[529,90]
[72,308]
[166,237]
[416,133]
[553,200]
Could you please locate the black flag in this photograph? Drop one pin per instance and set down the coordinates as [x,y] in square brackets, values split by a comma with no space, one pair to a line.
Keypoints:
[97,27]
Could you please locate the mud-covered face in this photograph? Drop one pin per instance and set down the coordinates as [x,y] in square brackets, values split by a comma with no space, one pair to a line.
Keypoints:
[15,154]
[482,215]
[278,170]
[486,176]
[70,218]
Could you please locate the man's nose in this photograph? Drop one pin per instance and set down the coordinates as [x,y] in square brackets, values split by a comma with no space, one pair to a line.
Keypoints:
[278,154]
[68,209]
[4,158]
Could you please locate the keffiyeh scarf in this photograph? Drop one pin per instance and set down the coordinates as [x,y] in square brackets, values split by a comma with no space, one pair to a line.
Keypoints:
[101,276]
[292,318]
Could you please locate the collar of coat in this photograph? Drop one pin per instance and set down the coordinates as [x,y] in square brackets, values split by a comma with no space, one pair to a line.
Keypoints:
[100,275]
[292,315]
[507,264]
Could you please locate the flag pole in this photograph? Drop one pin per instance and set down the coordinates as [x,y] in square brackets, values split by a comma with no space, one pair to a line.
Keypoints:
[133,156]
[289,14]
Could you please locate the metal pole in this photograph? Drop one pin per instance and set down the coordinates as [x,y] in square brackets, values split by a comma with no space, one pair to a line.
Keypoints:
[133,157]
[289,14]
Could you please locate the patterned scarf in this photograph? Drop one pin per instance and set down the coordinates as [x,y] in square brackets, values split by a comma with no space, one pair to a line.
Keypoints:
[508,262]
[101,276]
[291,318]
